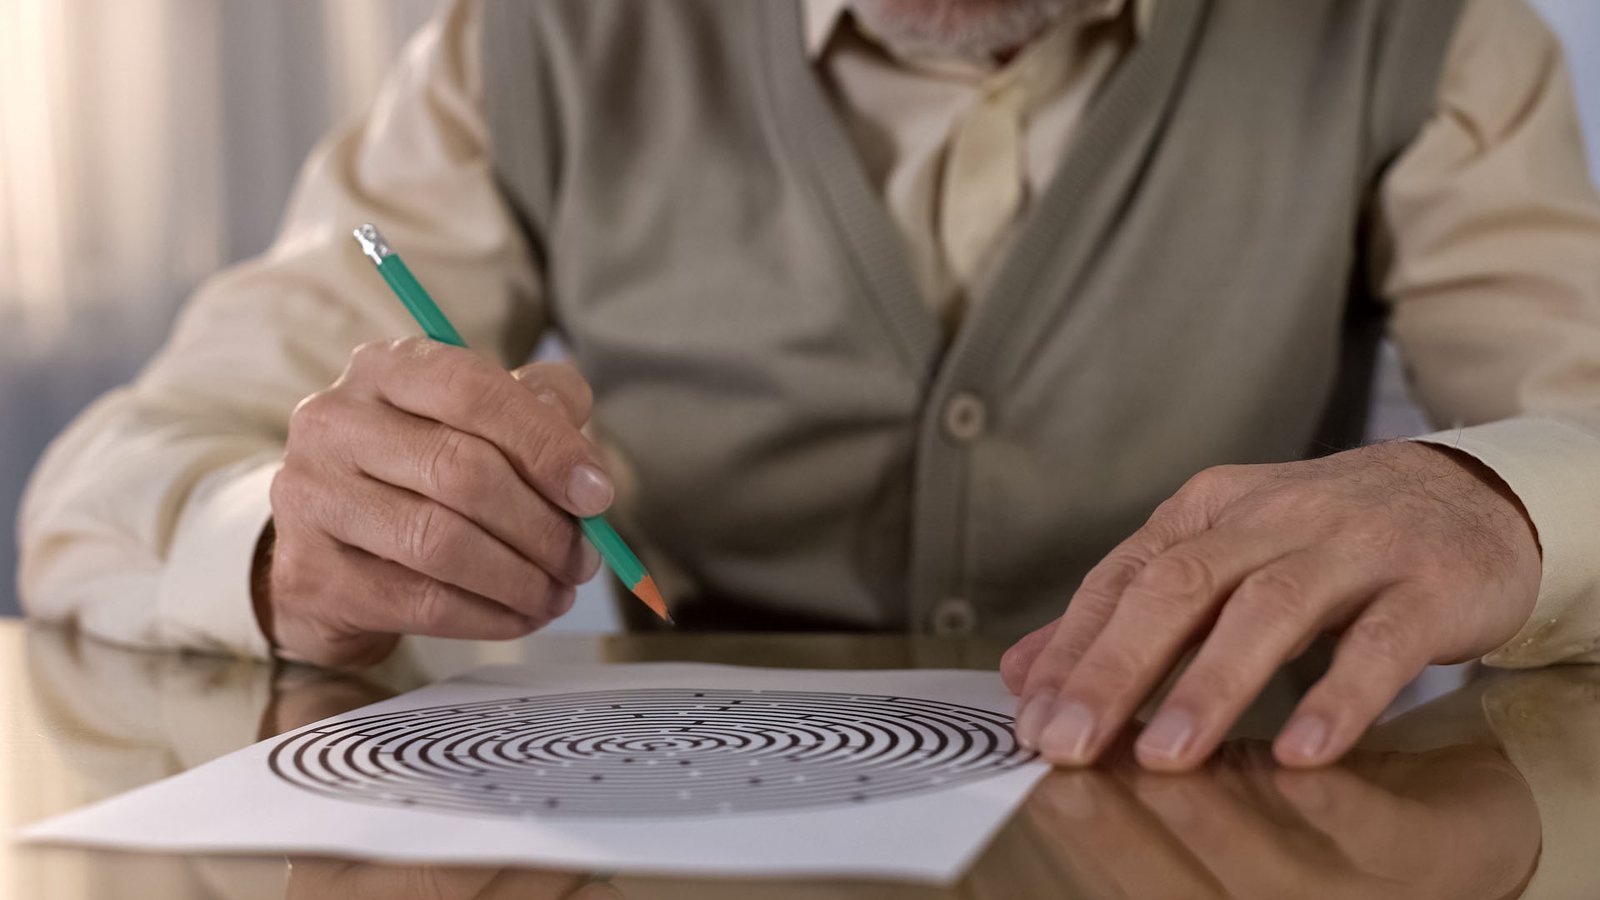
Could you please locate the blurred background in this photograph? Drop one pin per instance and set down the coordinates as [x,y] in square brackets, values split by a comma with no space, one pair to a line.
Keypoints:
[145,144]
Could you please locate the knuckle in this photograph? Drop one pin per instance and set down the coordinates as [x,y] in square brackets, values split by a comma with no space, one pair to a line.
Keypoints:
[1179,506]
[452,466]
[294,496]
[1273,597]
[314,415]
[282,493]
[447,374]
[557,538]
[454,377]
[295,575]
[410,346]
[431,605]
[1176,576]
[1382,640]
[582,392]
[1209,482]
[1058,659]
[563,375]
[550,541]
[370,354]
[1370,531]
[551,446]
[535,591]
[1108,666]
[563,386]
[430,535]
[1110,578]
[487,396]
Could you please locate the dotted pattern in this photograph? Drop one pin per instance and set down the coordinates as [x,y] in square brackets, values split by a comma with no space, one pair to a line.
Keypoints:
[651,753]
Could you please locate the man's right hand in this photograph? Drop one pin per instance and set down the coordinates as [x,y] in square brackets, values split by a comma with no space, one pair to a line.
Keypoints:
[429,491]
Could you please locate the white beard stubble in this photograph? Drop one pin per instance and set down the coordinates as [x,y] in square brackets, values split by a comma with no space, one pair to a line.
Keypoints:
[972,29]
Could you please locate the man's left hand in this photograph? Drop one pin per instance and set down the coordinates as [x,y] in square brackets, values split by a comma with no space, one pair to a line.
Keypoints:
[1414,555]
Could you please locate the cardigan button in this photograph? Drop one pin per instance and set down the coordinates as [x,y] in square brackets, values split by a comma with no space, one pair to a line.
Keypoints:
[965,417]
[954,617]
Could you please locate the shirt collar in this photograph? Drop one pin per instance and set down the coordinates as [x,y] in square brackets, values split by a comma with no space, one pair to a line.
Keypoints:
[820,18]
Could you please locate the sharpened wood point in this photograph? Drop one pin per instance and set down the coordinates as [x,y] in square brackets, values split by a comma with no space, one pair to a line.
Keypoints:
[647,591]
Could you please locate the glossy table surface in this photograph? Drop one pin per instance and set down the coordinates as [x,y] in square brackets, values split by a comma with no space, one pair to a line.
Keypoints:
[1485,787]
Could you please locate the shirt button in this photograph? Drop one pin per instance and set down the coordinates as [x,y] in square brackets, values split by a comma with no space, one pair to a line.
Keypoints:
[954,617]
[965,417]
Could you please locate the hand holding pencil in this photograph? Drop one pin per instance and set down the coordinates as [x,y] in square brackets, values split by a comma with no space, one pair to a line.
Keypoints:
[605,539]
[429,491]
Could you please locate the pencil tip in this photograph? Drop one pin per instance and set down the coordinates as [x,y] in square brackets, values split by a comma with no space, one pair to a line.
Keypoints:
[647,591]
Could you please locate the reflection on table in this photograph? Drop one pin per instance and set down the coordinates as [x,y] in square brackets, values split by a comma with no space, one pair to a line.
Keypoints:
[1486,792]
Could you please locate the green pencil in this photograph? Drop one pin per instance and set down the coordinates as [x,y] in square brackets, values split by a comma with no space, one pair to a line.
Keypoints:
[612,548]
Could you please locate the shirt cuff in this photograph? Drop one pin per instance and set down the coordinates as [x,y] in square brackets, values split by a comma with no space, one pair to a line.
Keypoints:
[205,597]
[1553,467]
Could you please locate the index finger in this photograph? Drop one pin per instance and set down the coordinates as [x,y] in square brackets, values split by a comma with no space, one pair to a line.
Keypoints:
[471,393]
[559,383]
[1042,666]
[1165,607]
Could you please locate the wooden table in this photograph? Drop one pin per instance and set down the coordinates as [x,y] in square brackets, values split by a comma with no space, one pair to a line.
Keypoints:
[1471,794]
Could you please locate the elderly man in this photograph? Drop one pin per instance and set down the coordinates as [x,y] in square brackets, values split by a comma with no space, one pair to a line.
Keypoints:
[948,316]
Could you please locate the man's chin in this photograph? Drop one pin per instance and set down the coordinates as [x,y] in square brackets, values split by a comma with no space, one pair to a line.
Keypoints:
[977,29]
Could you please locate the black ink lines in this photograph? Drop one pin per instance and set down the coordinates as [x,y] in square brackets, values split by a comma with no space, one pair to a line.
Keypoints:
[651,753]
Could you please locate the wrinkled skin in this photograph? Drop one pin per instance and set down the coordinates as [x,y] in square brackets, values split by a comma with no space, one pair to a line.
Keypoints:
[428,491]
[1411,554]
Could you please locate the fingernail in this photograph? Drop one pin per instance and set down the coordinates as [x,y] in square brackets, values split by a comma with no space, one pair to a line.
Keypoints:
[1304,739]
[1031,719]
[1066,738]
[1168,734]
[589,491]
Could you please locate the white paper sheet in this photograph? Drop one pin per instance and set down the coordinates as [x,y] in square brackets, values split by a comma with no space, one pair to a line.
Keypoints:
[666,768]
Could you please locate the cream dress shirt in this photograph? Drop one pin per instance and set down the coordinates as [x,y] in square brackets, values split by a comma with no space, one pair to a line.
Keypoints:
[903,111]
[1489,215]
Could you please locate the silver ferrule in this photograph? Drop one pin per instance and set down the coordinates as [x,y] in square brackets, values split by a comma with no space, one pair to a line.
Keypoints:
[372,243]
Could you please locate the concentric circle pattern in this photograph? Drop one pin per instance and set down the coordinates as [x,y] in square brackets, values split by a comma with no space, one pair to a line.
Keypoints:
[651,753]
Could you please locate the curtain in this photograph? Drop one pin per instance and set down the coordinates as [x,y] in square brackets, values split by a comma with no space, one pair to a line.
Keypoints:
[146,143]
